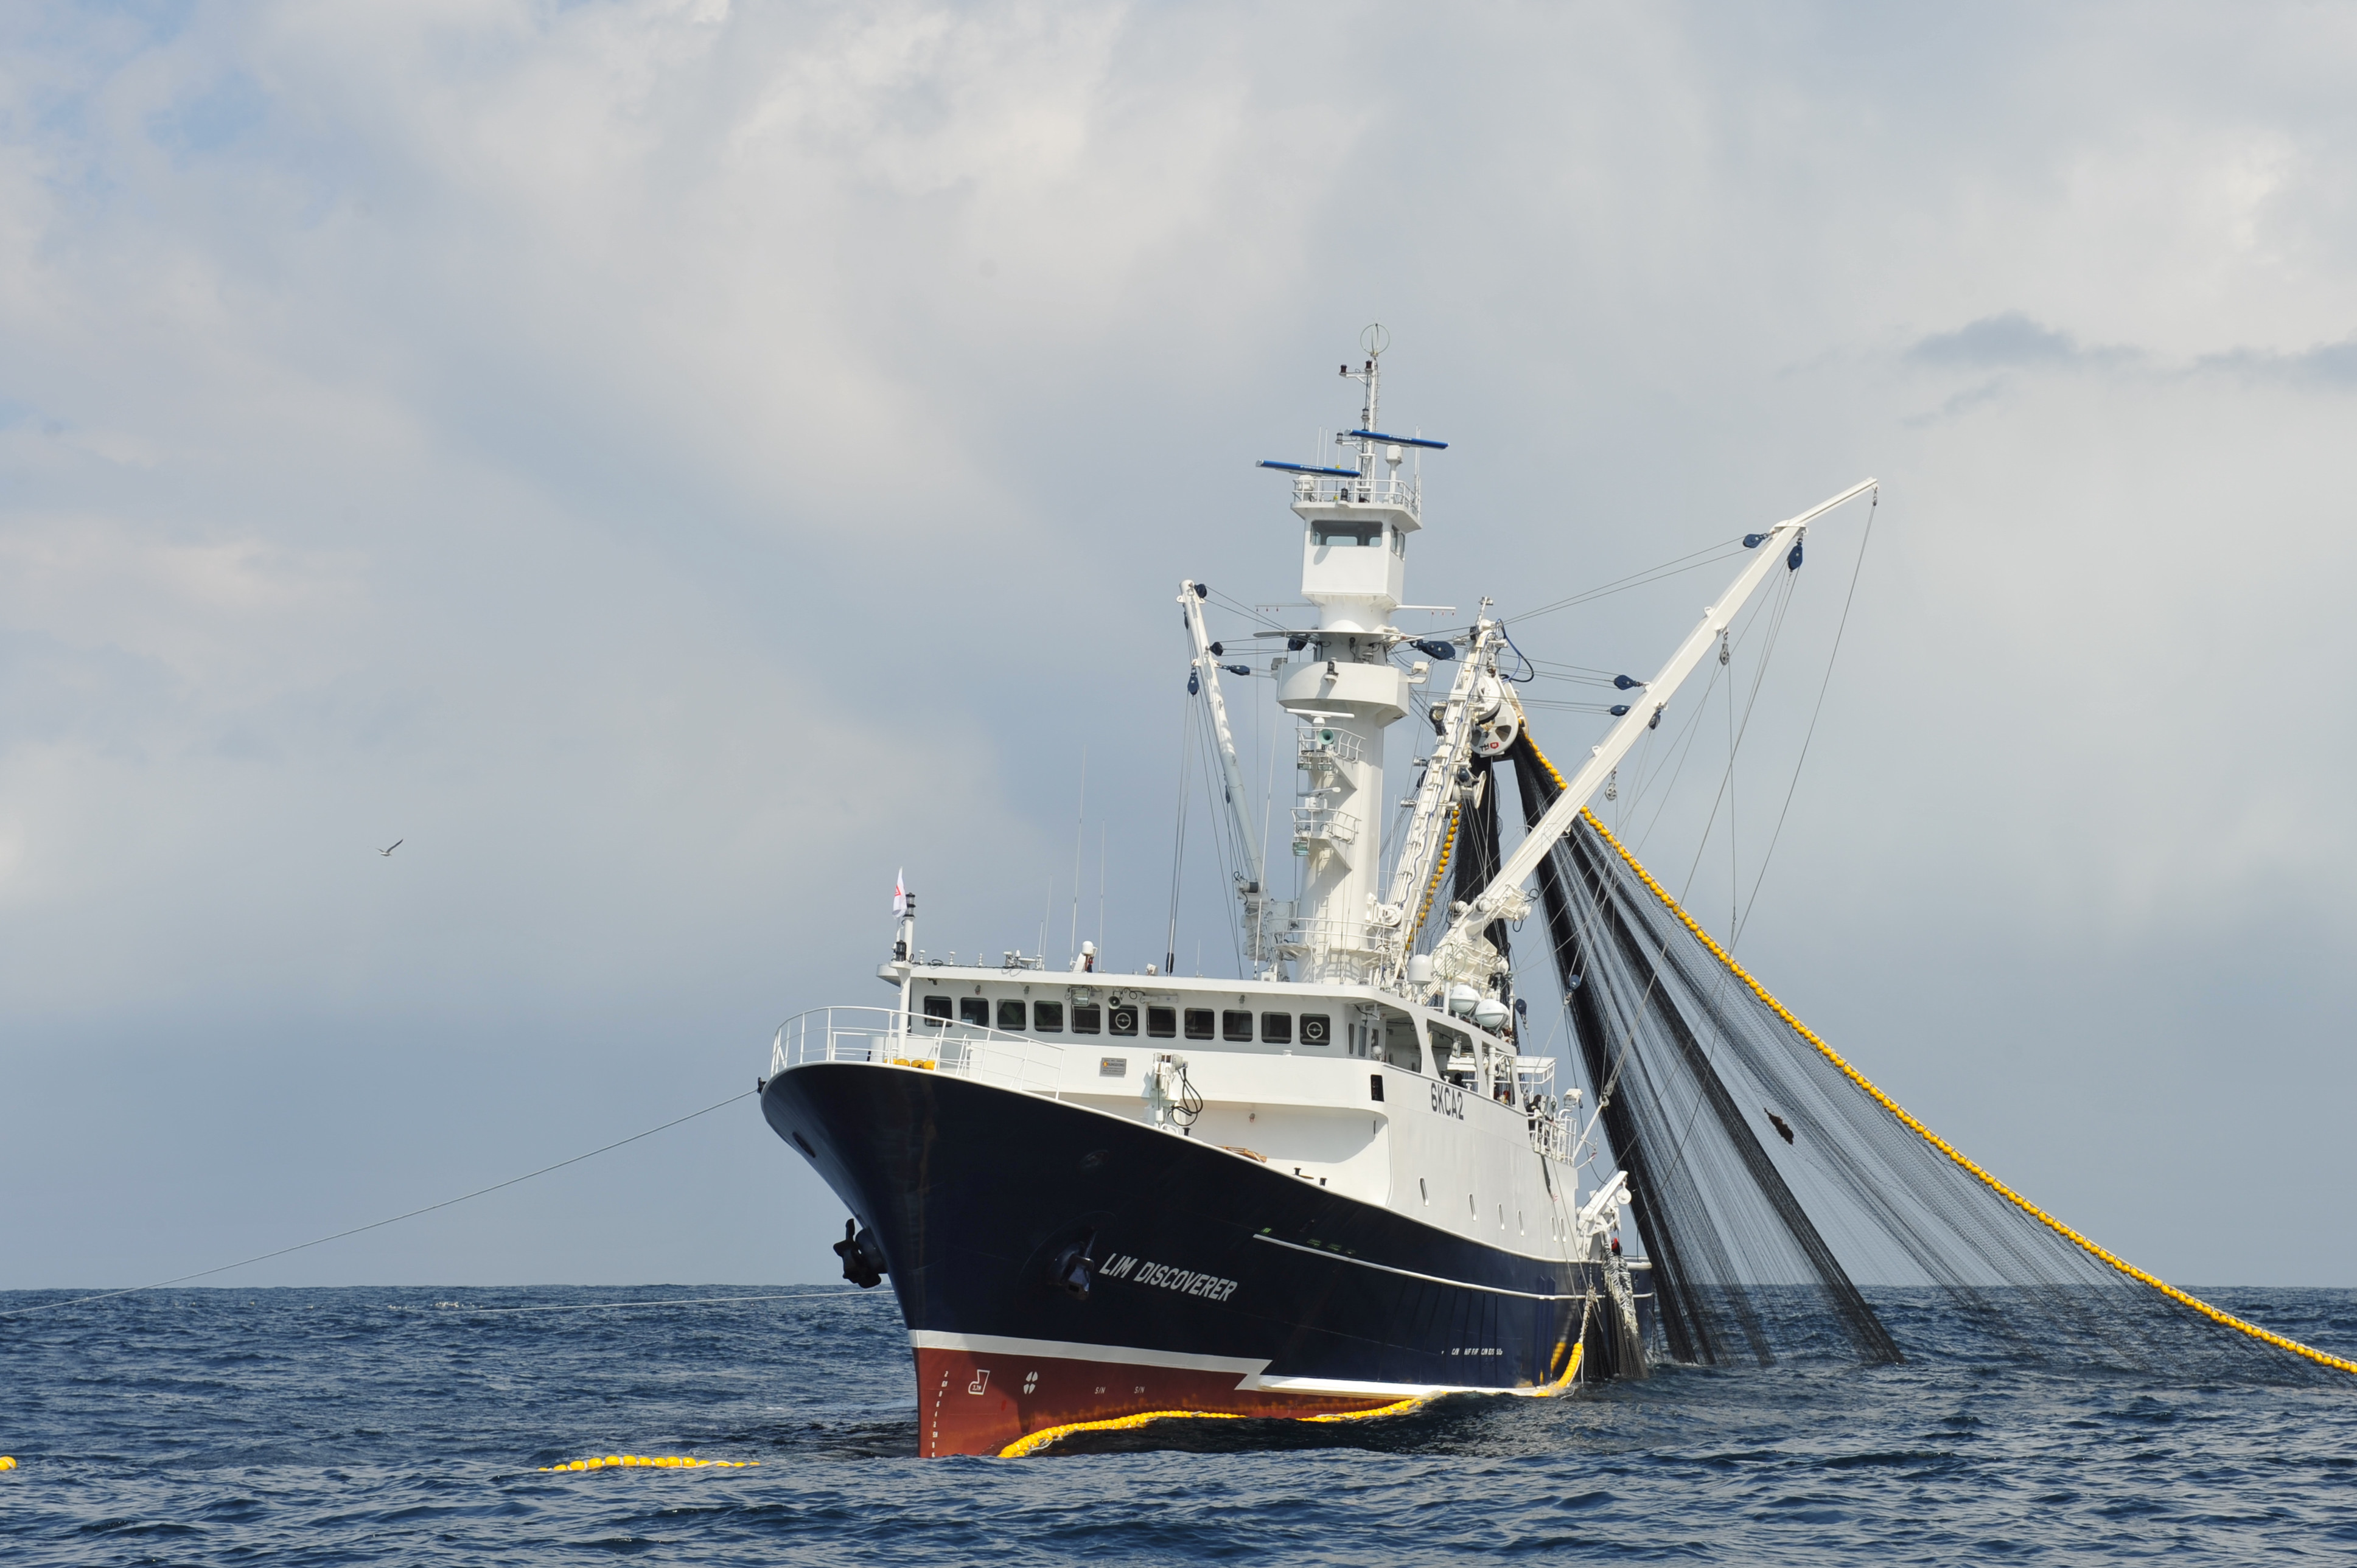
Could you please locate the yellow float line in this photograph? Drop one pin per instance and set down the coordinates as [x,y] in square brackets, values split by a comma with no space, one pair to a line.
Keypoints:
[646,1461]
[1440,866]
[1401,1408]
[1040,1439]
[2103,1254]
[1571,1368]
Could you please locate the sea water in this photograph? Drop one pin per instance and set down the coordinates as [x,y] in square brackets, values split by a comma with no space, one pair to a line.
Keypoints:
[413,1426]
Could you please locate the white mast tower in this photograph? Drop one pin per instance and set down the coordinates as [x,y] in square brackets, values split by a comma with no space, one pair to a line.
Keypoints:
[1345,689]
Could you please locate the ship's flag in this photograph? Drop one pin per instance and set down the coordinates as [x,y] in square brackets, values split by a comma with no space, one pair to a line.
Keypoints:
[900,891]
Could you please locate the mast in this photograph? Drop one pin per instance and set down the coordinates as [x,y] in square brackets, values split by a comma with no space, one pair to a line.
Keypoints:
[1462,953]
[1251,880]
[1356,520]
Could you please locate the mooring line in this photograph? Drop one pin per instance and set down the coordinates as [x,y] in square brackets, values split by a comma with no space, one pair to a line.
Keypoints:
[380,1224]
[668,1301]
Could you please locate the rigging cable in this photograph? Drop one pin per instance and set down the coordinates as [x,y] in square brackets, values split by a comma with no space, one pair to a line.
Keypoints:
[1866,538]
[1727,784]
[670,1301]
[380,1224]
[1685,744]
[1734,740]
[1726,550]
[1178,834]
[1227,848]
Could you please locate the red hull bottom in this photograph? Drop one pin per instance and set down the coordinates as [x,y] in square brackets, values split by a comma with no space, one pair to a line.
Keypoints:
[987,1403]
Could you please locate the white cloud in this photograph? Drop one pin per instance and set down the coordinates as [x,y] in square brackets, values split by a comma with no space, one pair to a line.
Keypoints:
[679,462]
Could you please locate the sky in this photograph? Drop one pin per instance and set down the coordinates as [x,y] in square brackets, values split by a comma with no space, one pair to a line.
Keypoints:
[675,466]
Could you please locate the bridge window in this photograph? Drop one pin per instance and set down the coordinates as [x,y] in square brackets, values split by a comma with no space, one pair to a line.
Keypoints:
[1236,1027]
[1124,1021]
[1162,1022]
[1324,532]
[974,1010]
[1276,1028]
[937,1011]
[1047,1017]
[1198,1023]
[1088,1020]
[1010,1016]
[1316,1029]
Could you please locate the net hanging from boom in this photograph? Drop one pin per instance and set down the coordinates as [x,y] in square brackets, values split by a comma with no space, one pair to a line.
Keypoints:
[1769,1177]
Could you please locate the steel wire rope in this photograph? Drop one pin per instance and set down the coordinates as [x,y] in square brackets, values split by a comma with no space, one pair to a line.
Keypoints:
[1179,833]
[1856,567]
[1734,742]
[1225,850]
[381,1224]
[669,1301]
[1685,744]
[1267,815]
[1240,607]
[1736,737]
[1676,567]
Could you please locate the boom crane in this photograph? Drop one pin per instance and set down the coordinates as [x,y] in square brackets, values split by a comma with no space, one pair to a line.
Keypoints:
[1454,721]
[1462,953]
[1252,885]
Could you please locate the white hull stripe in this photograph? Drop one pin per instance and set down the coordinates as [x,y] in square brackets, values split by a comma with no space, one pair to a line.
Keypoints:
[1249,1371]
[1074,1351]
[1412,1275]
[1379,1390]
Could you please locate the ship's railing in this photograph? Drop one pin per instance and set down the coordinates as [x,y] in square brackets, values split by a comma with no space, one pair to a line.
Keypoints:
[1550,1121]
[885,1036]
[1319,744]
[1363,938]
[1551,1132]
[1402,493]
[1312,824]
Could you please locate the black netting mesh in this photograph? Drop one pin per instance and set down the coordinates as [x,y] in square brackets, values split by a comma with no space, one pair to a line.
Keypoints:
[1768,1179]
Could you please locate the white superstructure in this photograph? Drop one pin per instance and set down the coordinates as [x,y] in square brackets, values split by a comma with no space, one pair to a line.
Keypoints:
[1349,1058]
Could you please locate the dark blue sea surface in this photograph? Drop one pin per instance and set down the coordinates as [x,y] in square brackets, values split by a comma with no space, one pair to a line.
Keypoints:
[407,1426]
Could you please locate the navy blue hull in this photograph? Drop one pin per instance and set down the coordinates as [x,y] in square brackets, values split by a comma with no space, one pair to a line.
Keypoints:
[1202,1265]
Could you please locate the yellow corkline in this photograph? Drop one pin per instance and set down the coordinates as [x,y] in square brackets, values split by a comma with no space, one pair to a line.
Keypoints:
[1440,866]
[1037,1440]
[1859,1079]
[645,1462]
[1400,1408]
[1571,1368]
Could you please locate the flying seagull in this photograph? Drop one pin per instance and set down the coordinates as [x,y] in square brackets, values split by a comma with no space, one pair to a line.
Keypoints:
[394,845]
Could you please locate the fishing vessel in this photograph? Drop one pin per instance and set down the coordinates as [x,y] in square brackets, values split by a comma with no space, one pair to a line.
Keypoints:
[1332,1185]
